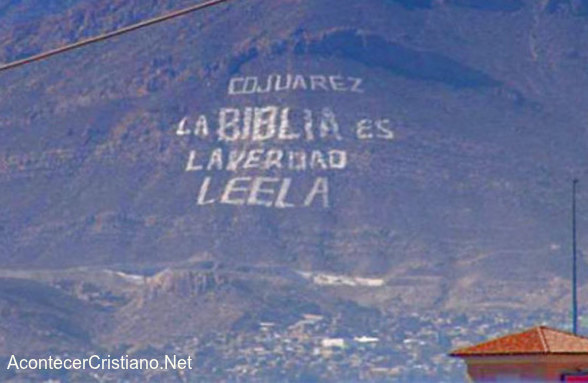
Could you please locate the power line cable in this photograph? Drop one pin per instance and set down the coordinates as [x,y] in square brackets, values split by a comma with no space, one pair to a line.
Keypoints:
[105,36]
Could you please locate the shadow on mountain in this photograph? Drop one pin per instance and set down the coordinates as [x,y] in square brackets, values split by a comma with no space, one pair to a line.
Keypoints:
[414,4]
[485,5]
[576,8]
[375,51]
[481,5]
[33,312]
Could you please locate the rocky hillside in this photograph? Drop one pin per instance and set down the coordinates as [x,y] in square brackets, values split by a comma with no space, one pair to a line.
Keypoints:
[429,144]
[482,104]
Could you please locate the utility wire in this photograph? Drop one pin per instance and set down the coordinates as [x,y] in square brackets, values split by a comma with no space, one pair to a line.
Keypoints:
[105,36]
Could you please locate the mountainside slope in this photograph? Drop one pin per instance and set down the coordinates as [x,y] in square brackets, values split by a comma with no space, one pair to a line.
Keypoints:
[485,103]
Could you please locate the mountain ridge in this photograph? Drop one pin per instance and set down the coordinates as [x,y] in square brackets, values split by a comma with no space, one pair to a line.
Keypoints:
[465,209]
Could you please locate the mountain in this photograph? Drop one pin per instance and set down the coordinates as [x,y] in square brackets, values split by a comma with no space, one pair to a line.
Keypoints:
[94,172]
[427,144]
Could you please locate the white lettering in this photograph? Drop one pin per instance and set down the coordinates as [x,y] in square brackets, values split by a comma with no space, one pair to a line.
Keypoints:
[229,126]
[203,191]
[192,166]
[182,131]
[201,129]
[320,187]
[233,188]
[257,190]
[264,123]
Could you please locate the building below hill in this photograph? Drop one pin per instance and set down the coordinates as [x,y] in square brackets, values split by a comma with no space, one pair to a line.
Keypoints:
[540,354]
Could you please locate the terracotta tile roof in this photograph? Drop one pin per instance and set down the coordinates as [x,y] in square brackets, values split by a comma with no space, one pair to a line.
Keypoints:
[538,340]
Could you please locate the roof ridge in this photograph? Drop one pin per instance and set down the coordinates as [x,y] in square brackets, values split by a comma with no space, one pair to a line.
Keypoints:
[491,341]
[563,332]
[536,340]
[542,338]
